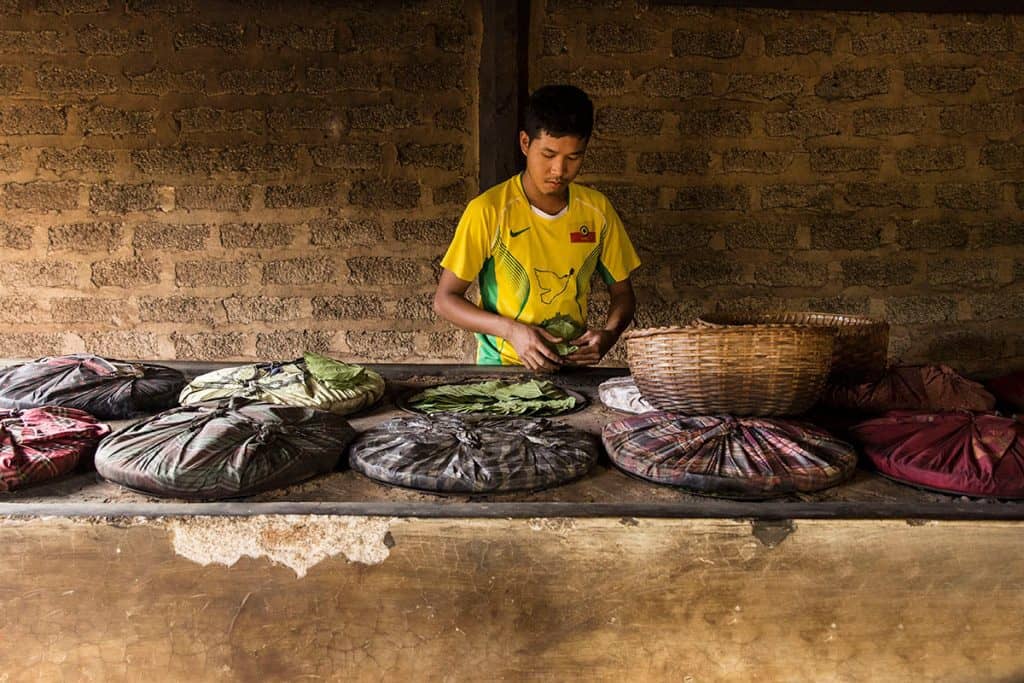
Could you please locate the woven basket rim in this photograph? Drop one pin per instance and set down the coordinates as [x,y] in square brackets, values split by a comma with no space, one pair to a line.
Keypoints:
[838,320]
[731,330]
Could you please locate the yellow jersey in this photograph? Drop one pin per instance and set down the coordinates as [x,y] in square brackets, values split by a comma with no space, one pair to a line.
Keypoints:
[531,266]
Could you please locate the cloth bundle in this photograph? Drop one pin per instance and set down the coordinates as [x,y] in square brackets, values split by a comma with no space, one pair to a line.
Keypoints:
[38,444]
[458,454]
[622,394]
[926,388]
[1009,391]
[498,397]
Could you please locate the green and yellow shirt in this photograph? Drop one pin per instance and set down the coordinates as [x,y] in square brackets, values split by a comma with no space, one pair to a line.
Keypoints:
[532,267]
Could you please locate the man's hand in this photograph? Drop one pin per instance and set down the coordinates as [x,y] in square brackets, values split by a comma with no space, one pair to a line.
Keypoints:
[529,343]
[593,344]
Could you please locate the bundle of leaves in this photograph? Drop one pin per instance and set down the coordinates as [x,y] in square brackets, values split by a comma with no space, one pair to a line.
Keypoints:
[334,373]
[497,397]
[566,329]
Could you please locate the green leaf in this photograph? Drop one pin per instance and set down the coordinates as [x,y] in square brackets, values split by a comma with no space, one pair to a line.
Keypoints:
[566,329]
[332,372]
[497,397]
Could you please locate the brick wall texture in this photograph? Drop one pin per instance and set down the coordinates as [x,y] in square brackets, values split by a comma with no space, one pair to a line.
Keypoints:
[242,180]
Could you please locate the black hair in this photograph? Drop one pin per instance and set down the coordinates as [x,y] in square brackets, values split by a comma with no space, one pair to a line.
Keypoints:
[559,110]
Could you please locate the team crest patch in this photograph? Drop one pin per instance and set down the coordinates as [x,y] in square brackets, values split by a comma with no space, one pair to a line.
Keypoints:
[584,234]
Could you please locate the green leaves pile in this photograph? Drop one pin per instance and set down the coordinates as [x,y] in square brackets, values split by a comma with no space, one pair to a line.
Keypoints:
[331,372]
[498,397]
[566,329]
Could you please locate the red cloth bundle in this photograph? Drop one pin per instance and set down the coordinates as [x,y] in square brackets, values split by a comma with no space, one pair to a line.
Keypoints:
[927,388]
[1009,390]
[42,443]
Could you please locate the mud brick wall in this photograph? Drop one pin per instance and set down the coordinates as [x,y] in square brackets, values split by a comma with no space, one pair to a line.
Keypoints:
[849,162]
[231,180]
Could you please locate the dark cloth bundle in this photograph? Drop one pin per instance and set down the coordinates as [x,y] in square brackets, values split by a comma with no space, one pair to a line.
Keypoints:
[42,443]
[107,389]
[459,454]
[928,388]
[728,456]
[954,452]
[1009,391]
[224,449]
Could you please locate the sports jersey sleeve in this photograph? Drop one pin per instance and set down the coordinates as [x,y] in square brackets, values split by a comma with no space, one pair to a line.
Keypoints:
[471,244]
[618,257]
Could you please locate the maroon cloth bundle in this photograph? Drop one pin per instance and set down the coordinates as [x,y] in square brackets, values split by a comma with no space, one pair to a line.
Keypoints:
[954,452]
[927,388]
[1009,391]
[42,443]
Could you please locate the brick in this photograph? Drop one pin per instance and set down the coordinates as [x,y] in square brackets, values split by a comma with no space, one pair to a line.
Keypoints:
[803,123]
[31,119]
[840,304]
[72,6]
[960,271]
[390,33]
[385,194]
[39,195]
[619,39]
[843,159]
[603,158]
[257,81]
[127,273]
[788,272]
[798,41]
[437,231]
[756,235]
[916,310]
[666,313]
[211,120]
[449,157]
[10,159]
[380,346]
[553,41]
[975,118]
[21,309]
[664,82]
[893,193]
[755,161]
[454,193]
[31,42]
[997,306]
[256,235]
[217,197]
[345,232]
[968,195]
[685,161]
[171,237]
[917,234]
[242,310]
[77,160]
[564,6]
[111,121]
[55,79]
[453,37]
[712,197]
[450,344]
[899,42]
[384,270]
[178,309]
[207,346]
[307,38]
[708,270]
[128,345]
[628,121]
[306,270]
[120,198]
[186,160]
[924,159]
[39,273]
[815,196]
[926,80]
[298,118]
[870,271]
[456,118]
[889,121]
[660,236]
[419,307]
[360,156]
[333,80]
[1006,76]
[165,6]
[347,308]
[96,40]
[976,40]
[999,234]
[260,158]
[853,84]
[771,86]
[714,44]
[15,236]
[96,236]
[301,196]
[292,344]
[211,273]
[383,117]
[592,81]
[160,81]
[428,77]
[1005,156]
[30,345]
[227,37]
[10,79]
[629,199]
[89,310]
[715,122]
[846,232]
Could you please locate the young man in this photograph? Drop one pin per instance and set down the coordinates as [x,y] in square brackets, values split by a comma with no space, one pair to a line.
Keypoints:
[533,243]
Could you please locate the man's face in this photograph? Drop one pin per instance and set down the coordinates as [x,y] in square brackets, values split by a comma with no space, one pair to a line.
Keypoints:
[552,163]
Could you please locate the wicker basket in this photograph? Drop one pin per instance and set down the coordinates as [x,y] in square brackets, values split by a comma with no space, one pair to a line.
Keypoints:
[862,344]
[744,370]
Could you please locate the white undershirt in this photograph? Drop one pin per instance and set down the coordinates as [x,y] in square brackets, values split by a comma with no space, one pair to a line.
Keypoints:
[549,216]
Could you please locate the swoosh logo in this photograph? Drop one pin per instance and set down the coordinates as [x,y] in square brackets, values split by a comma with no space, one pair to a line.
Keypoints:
[517,233]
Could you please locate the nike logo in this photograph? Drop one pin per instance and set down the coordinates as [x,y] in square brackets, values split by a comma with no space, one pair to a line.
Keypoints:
[517,233]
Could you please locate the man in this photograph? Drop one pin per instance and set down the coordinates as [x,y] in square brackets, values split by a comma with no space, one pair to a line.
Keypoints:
[533,243]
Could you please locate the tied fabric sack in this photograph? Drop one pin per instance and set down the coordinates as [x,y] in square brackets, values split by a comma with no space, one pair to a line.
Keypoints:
[314,381]
[106,389]
[1009,391]
[953,452]
[224,449]
[622,394]
[726,456]
[459,454]
[927,388]
[42,443]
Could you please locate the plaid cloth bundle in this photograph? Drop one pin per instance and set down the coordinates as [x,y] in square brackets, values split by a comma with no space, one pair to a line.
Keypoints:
[452,453]
[954,452]
[42,443]
[728,456]
[928,388]
[224,449]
